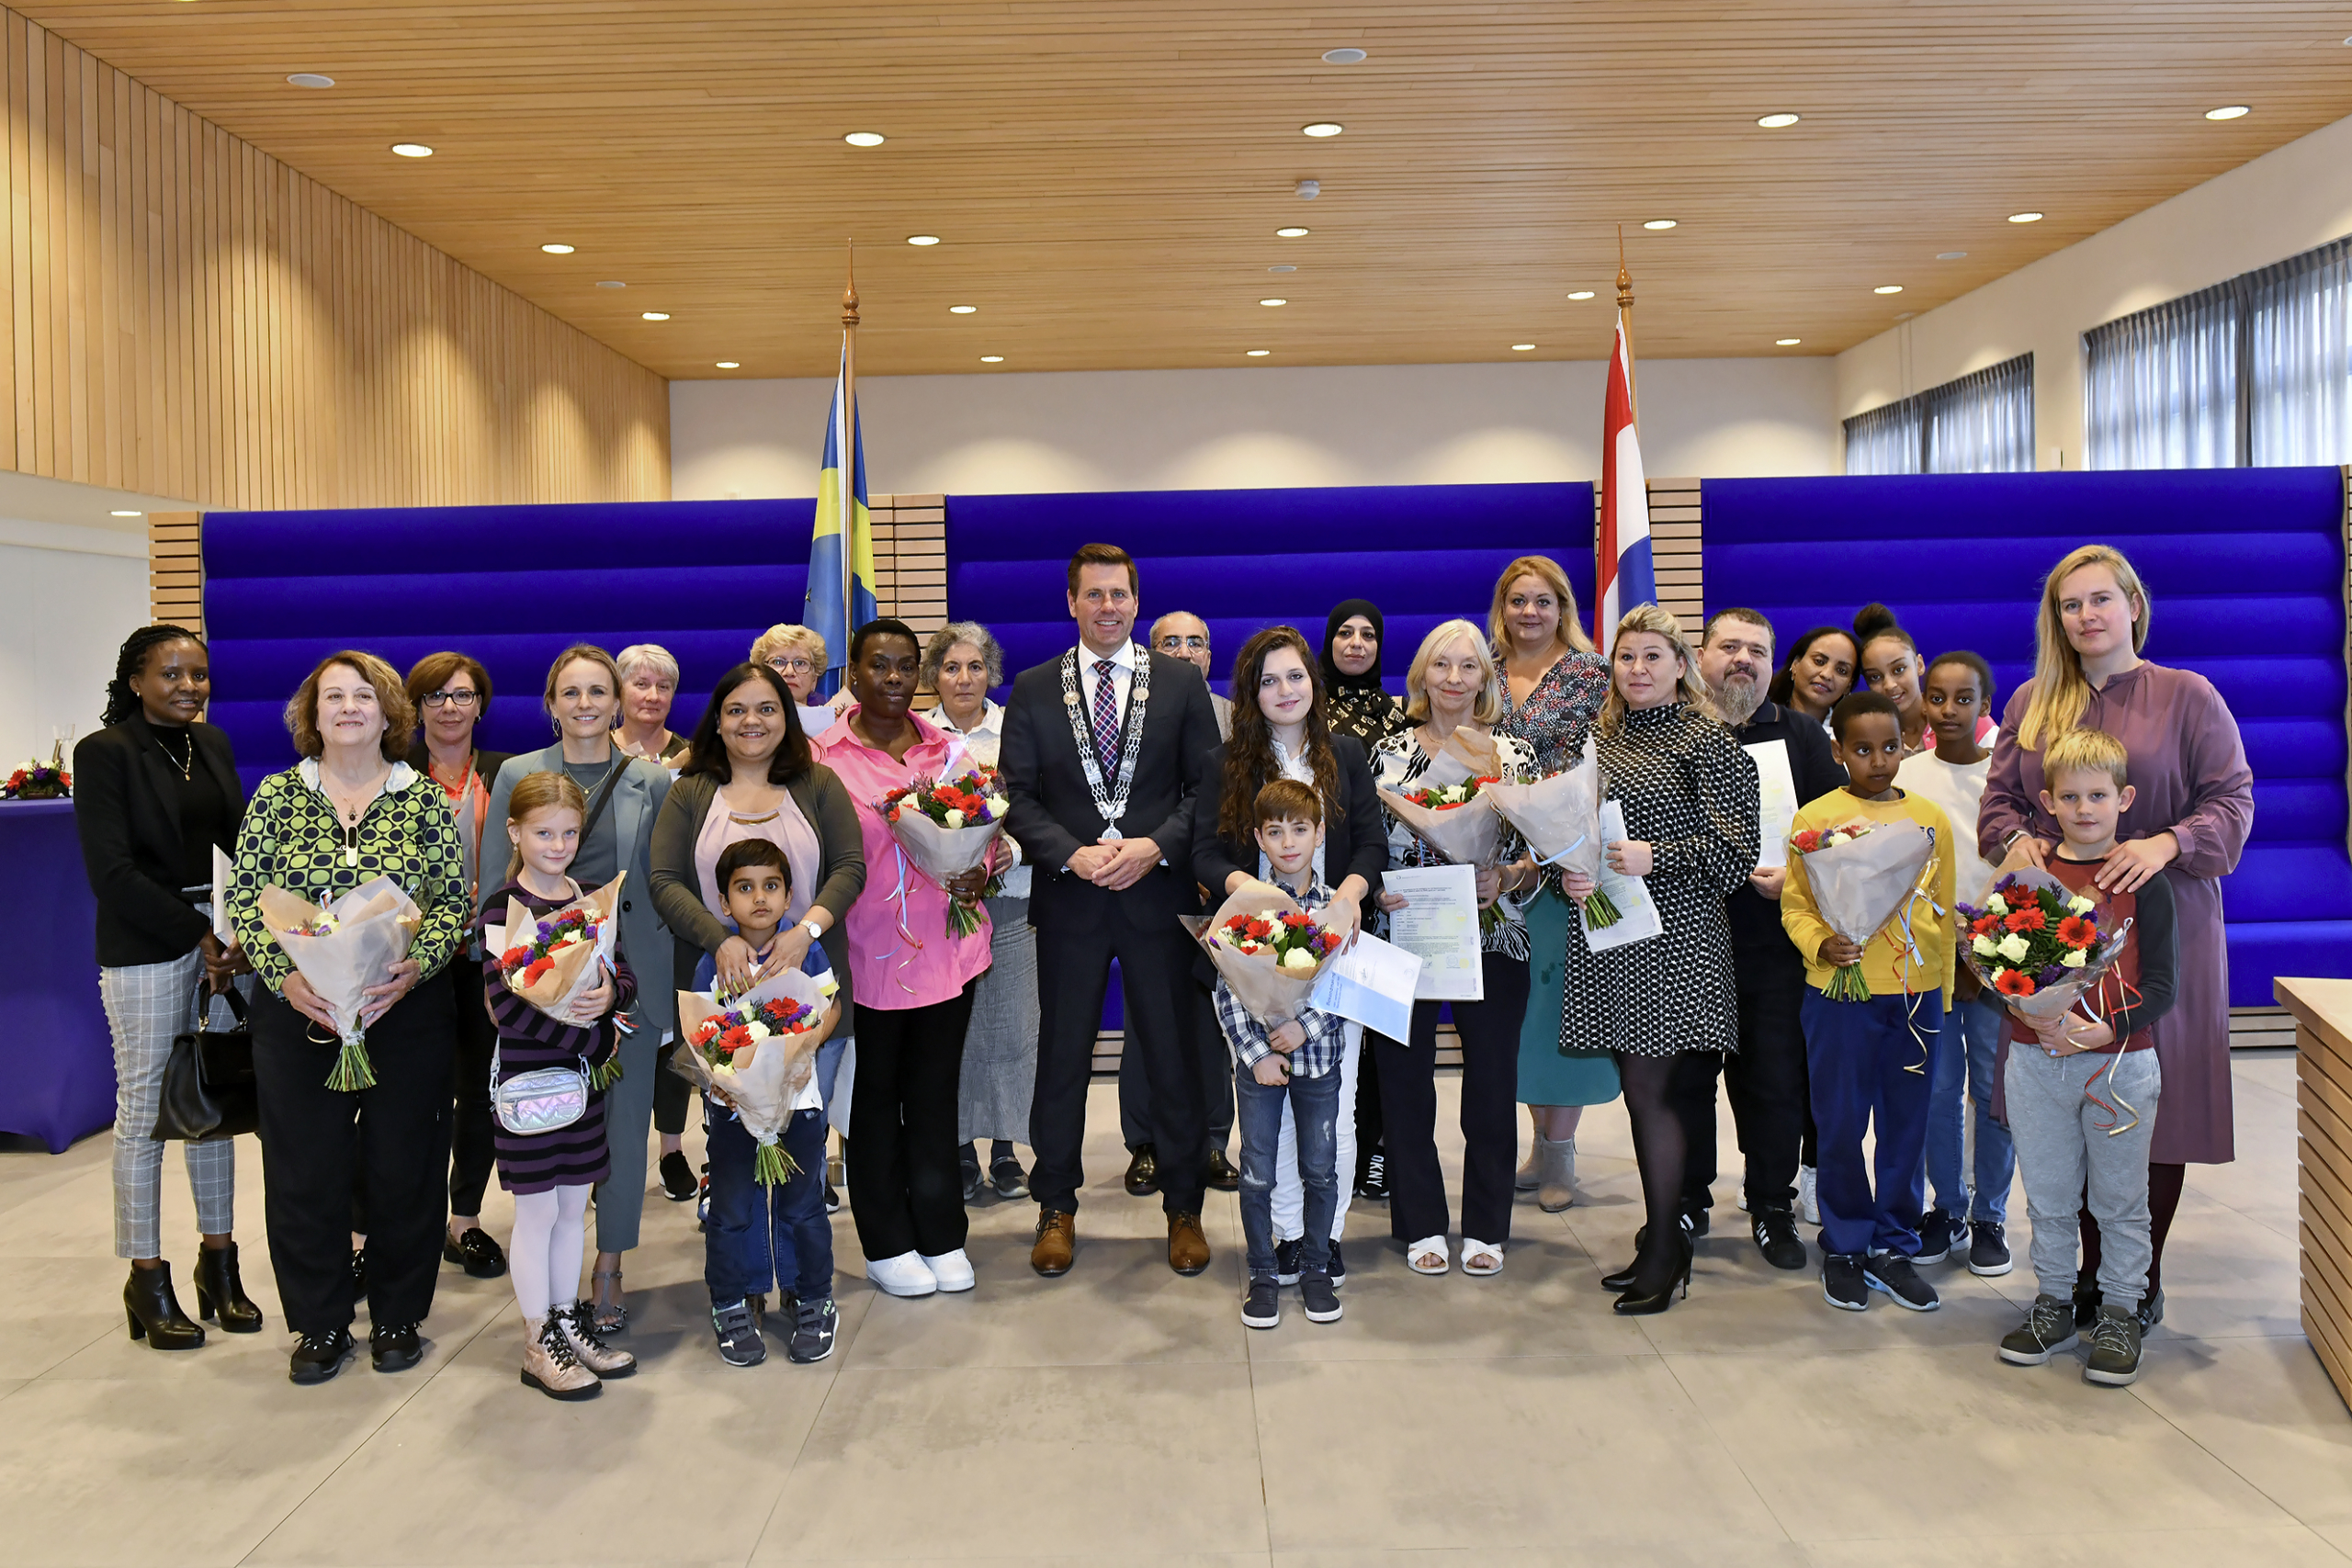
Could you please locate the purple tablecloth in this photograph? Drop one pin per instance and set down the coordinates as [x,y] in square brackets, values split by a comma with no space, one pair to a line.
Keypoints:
[56,1055]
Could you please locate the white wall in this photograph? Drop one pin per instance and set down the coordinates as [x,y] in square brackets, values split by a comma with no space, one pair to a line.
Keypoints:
[68,597]
[2285,201]
[1260,426]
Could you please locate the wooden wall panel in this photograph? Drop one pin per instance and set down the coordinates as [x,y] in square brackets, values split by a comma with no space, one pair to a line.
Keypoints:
[185,315]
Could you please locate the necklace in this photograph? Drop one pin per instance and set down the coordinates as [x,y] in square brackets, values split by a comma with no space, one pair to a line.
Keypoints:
[465,768]
[186,765]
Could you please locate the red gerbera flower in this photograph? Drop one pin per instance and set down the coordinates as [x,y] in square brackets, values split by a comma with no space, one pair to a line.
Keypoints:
[2014,982]
[1986,925]
[2029,919]
[1258,930]
[2076,931]
[1804,843]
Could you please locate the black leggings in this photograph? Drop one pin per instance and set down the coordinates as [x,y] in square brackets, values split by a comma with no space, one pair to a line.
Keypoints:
[1660,1148]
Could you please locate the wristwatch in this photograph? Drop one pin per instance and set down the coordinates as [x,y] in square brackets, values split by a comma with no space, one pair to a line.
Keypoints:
[815,932]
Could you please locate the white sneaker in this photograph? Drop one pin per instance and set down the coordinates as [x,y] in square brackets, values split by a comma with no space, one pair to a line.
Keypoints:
[952,1270]
[1742,1190]
[1808,1200]
[905,1275]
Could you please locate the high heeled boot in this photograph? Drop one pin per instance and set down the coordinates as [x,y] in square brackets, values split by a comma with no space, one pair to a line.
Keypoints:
[221,1293]
[154,1312]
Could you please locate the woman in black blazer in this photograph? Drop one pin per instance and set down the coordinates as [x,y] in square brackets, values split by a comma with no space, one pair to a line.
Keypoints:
[155,792]
[1282,729]
[451,693]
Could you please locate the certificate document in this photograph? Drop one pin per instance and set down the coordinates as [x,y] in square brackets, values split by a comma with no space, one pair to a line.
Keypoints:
[1372,983]
[1776,800]
[1438,925]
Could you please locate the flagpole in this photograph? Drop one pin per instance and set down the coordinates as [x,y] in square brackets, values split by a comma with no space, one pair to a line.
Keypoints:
[848,454]
[1625,320]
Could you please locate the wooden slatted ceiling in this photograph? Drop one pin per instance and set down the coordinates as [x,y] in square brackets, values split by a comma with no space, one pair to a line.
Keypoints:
[1107,174]
[187,316]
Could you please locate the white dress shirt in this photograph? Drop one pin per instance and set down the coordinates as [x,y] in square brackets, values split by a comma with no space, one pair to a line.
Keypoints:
[1122,677]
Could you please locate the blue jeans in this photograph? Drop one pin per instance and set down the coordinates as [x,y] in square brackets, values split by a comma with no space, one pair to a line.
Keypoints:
[1867,1066]
[1964,1056]
[1258,1115]
[757,1236]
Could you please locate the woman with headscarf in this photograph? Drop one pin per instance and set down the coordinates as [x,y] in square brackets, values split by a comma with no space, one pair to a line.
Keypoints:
[1358,704]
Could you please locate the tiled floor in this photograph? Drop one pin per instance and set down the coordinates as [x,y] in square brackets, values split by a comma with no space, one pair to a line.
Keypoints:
[1124,1416]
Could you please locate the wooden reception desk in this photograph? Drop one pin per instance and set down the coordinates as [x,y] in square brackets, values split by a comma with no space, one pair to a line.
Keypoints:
[2322,1012]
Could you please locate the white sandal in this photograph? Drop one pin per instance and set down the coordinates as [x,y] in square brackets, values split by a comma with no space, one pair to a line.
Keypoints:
[1429,1245]
[1481,1257]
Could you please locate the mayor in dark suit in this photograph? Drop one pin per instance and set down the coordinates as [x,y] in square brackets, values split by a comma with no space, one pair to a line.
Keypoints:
[1103,754]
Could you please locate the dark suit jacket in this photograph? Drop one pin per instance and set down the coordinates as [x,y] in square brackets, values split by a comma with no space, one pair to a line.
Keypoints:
[1355,840]
[1756,928]
[127,810]
[1053,813]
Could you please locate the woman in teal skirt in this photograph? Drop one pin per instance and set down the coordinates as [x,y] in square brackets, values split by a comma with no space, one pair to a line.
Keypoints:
[1553,684]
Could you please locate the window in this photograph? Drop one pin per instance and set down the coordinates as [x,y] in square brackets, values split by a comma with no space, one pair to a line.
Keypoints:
[2254,372]
[1981,424]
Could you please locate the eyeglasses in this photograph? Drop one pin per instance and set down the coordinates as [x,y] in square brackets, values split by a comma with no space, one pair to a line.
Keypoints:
[1171,643]
[462,699]
[788,664]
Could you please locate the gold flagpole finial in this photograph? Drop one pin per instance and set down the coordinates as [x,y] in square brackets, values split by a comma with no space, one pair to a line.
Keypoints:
[1624,279]
[849,295]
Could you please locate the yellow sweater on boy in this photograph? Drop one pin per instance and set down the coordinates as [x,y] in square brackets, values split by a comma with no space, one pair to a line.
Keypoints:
[1885,967]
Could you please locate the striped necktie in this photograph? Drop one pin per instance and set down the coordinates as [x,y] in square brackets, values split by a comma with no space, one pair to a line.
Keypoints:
[1106,716]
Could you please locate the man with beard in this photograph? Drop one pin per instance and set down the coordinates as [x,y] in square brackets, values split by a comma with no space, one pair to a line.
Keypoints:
[1767,1078]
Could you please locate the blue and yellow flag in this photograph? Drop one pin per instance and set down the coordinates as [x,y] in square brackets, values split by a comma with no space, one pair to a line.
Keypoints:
[840,549]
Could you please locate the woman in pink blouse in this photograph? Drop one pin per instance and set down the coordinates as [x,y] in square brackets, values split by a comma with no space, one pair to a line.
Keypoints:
[914,986]
[2191,812]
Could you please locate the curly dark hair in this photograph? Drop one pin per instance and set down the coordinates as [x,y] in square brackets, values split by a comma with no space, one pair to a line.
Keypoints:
[1249,757]
[121,701]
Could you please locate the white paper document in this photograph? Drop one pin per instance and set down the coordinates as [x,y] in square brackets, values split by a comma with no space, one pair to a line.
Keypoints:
[1637,911]
[223,874]
[1776,800]
[1372,983]
[1438,925]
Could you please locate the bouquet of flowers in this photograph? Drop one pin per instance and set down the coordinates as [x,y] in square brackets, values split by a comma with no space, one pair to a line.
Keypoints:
[1559,816]
[1266,949]
[552,961]
[1450,809]
[36,779]
[2037,944]
[1862,876]
[341,949]
[947,828]
[755,1052]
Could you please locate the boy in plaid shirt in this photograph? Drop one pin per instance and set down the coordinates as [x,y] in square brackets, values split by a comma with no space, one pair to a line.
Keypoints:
[1297,1062]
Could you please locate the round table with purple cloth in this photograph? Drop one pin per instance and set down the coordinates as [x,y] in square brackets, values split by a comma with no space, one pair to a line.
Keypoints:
[56,1055]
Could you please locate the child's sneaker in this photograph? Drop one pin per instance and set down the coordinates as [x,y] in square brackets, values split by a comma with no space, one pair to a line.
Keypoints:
[2048,1329]
[1892,1273]
[1988,1248]
[1262,1307]
[1939,1233]
[1336,1266]
[1321,1302]
[1286,1258]
[739,1344]
[2114,1359]
[1842,1284]
[812,1331]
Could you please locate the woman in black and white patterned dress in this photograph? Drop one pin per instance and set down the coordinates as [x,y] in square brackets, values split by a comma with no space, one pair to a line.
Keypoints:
[1690,796]
[1453,685]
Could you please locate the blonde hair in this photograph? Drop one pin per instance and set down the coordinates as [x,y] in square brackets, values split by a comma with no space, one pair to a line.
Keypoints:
[2087,751]
[1489,705]
[784,636]
[1569,633]
[1691,691]
[2060,691]
[538,792]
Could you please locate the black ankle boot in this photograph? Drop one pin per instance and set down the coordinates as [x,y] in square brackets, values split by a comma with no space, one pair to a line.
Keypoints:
[220,1293]
[154,1312]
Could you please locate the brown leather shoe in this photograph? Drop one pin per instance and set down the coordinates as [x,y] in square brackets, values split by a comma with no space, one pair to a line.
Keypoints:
[1143,1172]
[1056,1241]
[1188,1250]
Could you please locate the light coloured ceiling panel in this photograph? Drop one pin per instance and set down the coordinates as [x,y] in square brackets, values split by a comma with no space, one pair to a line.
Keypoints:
[1106,175]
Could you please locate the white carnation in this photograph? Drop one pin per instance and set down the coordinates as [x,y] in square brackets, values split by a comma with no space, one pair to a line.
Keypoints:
[757,1030]
[2075,958]
[954,818]
[2013,947]
[1298,958]
[1984,947]
[1996,905]
[2080,903]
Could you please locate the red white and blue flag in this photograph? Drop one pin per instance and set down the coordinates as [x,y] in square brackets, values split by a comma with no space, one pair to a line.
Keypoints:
[1622,574]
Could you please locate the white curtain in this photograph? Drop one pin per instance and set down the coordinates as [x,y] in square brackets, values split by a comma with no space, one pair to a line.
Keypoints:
[1981,424]
[1886,440]
[2299,351]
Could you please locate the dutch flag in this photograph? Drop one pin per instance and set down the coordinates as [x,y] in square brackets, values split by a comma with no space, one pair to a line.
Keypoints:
[1622,574]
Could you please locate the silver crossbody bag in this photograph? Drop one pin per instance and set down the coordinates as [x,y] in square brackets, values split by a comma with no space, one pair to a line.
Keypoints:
[541,1101]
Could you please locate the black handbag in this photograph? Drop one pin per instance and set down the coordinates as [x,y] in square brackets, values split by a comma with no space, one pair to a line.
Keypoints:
[208,1089]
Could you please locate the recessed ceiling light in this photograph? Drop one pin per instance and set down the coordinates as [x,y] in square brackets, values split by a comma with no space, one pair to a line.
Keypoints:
[1343,57]
[1282,266]
[557,250]
[1888,288]
[1659,223]
[411,148]
[1952,255]
[2229,111]
[1581,294]
[2025,217]
[1273,301]
[656,315]
[126,514]
[1293,233]
[308,79]
[1520,347]
[991,358]
[1775,121]
[1322,127]
[923,239]
[1786,342]
[866,138]
[963,310]
[612,283]
[1257,353]
[731,365]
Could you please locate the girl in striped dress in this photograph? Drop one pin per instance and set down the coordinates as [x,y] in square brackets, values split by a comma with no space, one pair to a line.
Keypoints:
[552,1173]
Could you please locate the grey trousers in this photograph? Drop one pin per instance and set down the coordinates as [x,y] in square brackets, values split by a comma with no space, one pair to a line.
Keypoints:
[2063,1113]
[147,1004]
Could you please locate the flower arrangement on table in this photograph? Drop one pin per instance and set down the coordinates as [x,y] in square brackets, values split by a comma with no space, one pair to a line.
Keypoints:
[947,828]
[36,779]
